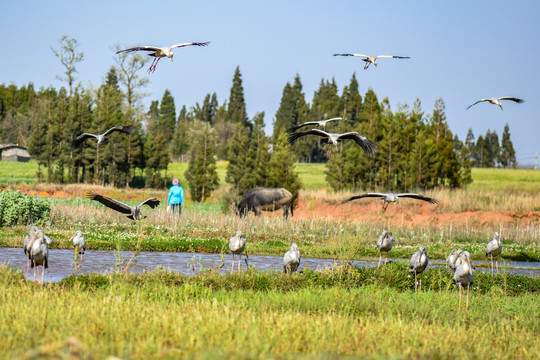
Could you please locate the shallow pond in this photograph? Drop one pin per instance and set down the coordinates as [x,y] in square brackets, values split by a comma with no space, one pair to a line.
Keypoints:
[61,263]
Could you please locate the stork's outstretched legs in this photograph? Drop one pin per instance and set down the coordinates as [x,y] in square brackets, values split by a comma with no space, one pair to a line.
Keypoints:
[152,67]
[239,261]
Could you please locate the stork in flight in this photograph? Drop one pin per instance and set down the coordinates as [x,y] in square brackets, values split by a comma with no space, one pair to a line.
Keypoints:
[496,101]
[391,197]
[101,138]
[161,52]
[373,59]
[132,212]
[319,123]
[332,139]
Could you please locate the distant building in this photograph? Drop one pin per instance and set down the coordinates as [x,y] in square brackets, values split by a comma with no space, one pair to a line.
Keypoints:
[14,152]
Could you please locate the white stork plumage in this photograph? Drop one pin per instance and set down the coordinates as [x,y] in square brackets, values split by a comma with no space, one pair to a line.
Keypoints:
[368,59]
[496,101]
[392,197]
[333,139]
[237,245]
[319,123]
[160,52]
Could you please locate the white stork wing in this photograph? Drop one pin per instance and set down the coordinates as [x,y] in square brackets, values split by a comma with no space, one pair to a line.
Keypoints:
[294,136]
[361,55]
[140,48]
[367,145]
[80,139]
[379,195]
[189,44]
[479,101]
[392,57]
[294,128]
[125,129]
[419,197]
[514,99]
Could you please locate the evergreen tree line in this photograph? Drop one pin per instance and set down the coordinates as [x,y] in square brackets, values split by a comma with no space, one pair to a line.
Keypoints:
[414,150]
[488,152]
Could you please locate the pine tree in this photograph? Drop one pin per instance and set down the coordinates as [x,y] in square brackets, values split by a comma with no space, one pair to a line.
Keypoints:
[507,156]
[167,116]
[237,169]
[281,171]
[236,111]
[257,156]
[201,174]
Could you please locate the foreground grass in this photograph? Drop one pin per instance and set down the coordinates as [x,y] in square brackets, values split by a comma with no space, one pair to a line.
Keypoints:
[359,313]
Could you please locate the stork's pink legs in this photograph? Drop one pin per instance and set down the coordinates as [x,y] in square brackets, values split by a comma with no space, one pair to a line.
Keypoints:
[152,67]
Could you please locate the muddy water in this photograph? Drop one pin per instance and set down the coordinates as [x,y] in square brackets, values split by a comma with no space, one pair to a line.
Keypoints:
[61,263]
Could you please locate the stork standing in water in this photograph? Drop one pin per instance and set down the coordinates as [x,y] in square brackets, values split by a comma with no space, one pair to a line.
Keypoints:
[494,249]
[237,244]
[160,52]
[26,247]
[79,242]
[384,243]
[333,139]
[496,101]
[391,197]
[291,259]
[419,261]
[39,252]
[373,59]
[464,275]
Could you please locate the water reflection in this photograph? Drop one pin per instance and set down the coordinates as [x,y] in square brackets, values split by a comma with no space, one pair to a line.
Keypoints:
[62,263]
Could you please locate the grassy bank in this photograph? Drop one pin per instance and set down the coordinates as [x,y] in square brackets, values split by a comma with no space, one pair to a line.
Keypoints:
[364,313]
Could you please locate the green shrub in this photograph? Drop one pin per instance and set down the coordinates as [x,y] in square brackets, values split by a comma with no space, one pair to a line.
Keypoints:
[18,208]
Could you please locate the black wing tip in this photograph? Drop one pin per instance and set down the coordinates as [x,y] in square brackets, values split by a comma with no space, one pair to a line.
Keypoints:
[519,101]
[128,129]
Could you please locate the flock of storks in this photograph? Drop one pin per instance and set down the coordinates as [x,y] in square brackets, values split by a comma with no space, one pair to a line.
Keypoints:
[35,243]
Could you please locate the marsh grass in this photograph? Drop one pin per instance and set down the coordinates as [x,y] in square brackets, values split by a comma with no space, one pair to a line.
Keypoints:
[335,313]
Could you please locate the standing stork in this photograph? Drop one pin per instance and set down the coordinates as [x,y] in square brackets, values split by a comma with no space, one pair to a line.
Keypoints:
[391,197]
[39,252]
[419,261]
[496,101]
[237,244]
[26,247]
[464,275]
[291,259]
[132,212]
[494,249]
[453,260]
[160,52]
[333,139]
[384,243]
[319,123]
[79,242]
[373,59]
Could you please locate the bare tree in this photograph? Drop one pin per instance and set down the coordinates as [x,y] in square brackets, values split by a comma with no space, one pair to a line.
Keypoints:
[69,57]
[127,73]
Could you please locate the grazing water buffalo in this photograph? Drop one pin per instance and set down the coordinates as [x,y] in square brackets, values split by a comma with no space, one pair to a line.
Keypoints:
[267,199]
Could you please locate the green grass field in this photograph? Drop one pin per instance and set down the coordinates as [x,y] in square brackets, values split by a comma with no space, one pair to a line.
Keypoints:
[366,313]
[311,175]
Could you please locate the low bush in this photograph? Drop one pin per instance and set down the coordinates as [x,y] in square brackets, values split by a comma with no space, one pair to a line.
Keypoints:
[17,208]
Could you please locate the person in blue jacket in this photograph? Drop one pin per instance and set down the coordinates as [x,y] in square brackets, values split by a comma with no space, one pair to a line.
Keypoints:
[176,197]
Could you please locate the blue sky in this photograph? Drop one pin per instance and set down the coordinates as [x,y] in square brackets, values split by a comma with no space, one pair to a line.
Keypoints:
[460,50]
